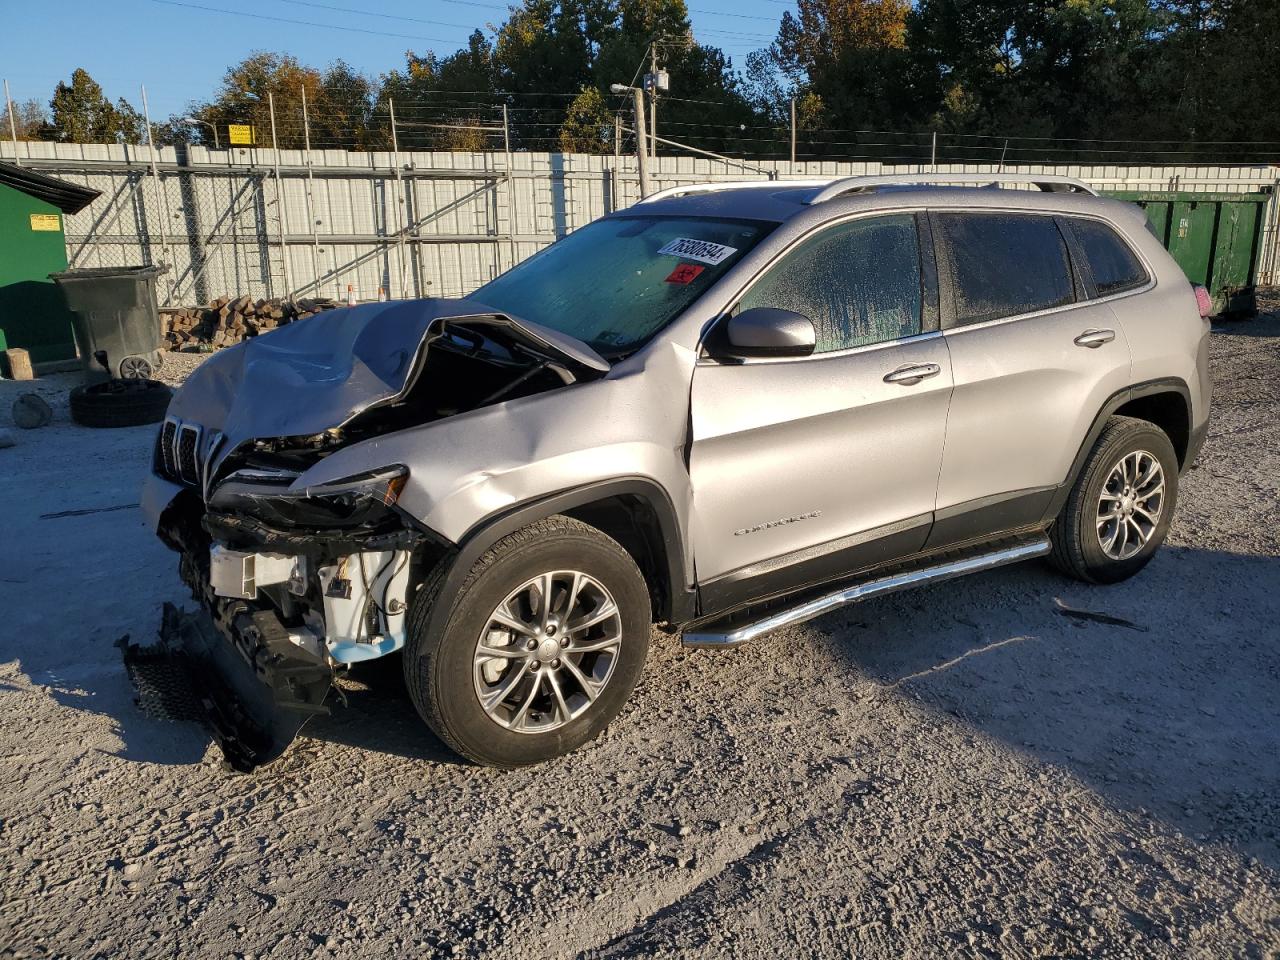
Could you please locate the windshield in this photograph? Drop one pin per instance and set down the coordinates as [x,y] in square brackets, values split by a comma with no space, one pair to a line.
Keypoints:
[616,282]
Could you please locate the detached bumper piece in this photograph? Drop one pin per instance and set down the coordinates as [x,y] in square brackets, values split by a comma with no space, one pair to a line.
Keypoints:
[256,686]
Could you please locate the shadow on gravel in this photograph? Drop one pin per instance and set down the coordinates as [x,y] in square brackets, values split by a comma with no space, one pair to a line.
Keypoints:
[379,716]
[1263,325]
[1161,694]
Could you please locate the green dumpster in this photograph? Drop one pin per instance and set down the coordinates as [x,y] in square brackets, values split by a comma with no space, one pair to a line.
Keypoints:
[32,314]
[1215,237]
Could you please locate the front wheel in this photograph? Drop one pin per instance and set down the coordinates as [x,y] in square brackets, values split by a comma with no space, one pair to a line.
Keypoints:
[543,645]
[1120,508]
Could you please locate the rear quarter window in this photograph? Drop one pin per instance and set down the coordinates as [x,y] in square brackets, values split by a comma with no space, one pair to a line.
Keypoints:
[1002,265]
[1114,267]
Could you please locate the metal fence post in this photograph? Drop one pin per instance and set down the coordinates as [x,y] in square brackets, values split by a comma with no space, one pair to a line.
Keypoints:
[280,204]
[511,187]
[13,125]
[164,197]
[311,183]
[793,136]
[402,217]
[617,161]
[933,154]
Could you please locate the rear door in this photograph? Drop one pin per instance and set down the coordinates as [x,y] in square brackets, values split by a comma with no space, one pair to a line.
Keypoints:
[1033,362]
[804,467]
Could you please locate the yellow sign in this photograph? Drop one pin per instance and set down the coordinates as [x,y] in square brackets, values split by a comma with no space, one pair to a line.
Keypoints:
[46,221]
[240,134]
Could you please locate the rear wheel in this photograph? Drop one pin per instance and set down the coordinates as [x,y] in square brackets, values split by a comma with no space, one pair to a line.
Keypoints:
[542,647]
[1119,511]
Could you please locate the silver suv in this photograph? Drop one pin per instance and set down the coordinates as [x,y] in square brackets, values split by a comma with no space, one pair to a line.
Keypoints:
[727,409]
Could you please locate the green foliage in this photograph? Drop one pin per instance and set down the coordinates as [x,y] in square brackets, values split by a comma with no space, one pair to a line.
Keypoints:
[1092,72]
[339,103]
[81,113]
[588,124]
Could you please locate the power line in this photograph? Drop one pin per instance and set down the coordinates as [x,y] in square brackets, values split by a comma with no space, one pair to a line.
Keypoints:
[382,16]
[301,23]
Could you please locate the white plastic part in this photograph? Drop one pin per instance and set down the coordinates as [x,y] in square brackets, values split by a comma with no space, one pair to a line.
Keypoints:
[234,573]
[365,605]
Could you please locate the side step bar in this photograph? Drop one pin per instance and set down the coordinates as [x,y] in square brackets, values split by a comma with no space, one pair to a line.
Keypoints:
[873,588]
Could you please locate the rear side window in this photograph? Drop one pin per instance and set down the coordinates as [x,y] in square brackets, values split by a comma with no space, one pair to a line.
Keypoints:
[1113,265]
[1001,265]
[859,282]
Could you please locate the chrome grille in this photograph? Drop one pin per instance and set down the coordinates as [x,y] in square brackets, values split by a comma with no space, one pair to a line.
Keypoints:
[188,448]
[168,464]
[186,452]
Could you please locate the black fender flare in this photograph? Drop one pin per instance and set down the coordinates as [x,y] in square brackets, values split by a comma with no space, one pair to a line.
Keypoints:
[486,532]
[1113,403]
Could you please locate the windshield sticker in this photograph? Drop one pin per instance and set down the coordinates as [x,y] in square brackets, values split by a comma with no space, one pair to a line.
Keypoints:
[685,273]
[704,251]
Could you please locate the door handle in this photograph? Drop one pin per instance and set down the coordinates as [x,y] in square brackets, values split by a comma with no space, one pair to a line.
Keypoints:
[1093,339]
[912,373]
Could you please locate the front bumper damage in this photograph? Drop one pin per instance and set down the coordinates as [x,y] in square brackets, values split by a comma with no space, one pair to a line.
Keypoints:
[280,613]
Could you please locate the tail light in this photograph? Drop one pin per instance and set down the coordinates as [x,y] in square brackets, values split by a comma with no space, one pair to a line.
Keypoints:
[1203,301]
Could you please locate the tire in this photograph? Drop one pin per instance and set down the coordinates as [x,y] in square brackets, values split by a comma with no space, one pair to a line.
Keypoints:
[136,368]
[120,403]
[1106,541]
[447,674]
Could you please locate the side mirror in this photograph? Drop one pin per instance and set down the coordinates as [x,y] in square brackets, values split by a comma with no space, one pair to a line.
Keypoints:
[768,332]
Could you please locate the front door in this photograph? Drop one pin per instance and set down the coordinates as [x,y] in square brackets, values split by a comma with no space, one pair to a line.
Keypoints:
[805,468]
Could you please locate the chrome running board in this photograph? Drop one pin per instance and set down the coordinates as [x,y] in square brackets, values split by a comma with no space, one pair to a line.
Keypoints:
[862,591]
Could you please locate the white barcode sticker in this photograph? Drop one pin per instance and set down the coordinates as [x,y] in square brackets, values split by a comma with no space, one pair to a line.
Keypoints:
[703,251]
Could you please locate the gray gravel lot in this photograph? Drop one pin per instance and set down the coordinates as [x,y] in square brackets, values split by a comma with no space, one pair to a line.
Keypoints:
[961,771]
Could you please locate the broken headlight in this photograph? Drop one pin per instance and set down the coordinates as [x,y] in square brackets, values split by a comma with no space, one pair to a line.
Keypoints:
[364,500]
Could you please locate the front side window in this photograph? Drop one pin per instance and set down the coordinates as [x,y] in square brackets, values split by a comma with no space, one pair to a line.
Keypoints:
[1113,265]
[1002,265]
[859,282]
[618,281]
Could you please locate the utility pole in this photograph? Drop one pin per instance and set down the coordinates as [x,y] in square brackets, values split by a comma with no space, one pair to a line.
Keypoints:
[13,127]
[642,149]
[653,102]
[642,152]
[793,135]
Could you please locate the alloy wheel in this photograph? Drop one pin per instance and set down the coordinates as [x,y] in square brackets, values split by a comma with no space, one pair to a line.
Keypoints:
[547,651]
[1130,504]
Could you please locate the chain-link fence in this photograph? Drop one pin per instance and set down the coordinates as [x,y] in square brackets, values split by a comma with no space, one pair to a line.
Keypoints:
[409,223]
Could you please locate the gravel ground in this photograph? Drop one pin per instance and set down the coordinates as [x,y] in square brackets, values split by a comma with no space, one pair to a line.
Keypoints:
[961,771]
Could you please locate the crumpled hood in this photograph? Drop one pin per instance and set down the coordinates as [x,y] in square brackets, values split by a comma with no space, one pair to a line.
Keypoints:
[318,373]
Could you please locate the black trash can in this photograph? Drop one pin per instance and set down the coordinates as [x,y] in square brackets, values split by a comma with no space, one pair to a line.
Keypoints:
[115,312]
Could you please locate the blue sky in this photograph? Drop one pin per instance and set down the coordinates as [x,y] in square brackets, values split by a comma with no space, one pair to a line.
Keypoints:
[180,50]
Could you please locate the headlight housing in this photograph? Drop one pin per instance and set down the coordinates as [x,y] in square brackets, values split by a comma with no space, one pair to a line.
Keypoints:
[361,501]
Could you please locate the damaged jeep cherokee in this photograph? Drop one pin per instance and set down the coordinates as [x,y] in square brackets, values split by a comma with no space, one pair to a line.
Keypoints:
[726,410]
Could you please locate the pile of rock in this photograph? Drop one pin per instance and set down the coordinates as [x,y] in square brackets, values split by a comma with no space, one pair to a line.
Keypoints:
[228,320]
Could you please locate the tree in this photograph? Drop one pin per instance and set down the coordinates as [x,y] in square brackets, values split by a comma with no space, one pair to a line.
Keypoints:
[31,120]
[81,113]
[339,104]
[586,127]
[441,102]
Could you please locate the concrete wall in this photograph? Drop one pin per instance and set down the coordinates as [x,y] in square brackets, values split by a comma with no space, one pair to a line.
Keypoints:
[416,224]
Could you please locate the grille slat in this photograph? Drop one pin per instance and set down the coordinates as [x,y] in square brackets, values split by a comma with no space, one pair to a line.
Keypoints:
[168,462]
[188,448]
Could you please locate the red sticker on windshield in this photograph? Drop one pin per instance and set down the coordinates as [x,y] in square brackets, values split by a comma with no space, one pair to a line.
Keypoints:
[685,273]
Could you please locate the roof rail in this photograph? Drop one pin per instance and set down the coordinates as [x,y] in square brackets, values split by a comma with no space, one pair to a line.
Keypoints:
[715,186]
[1048,182]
